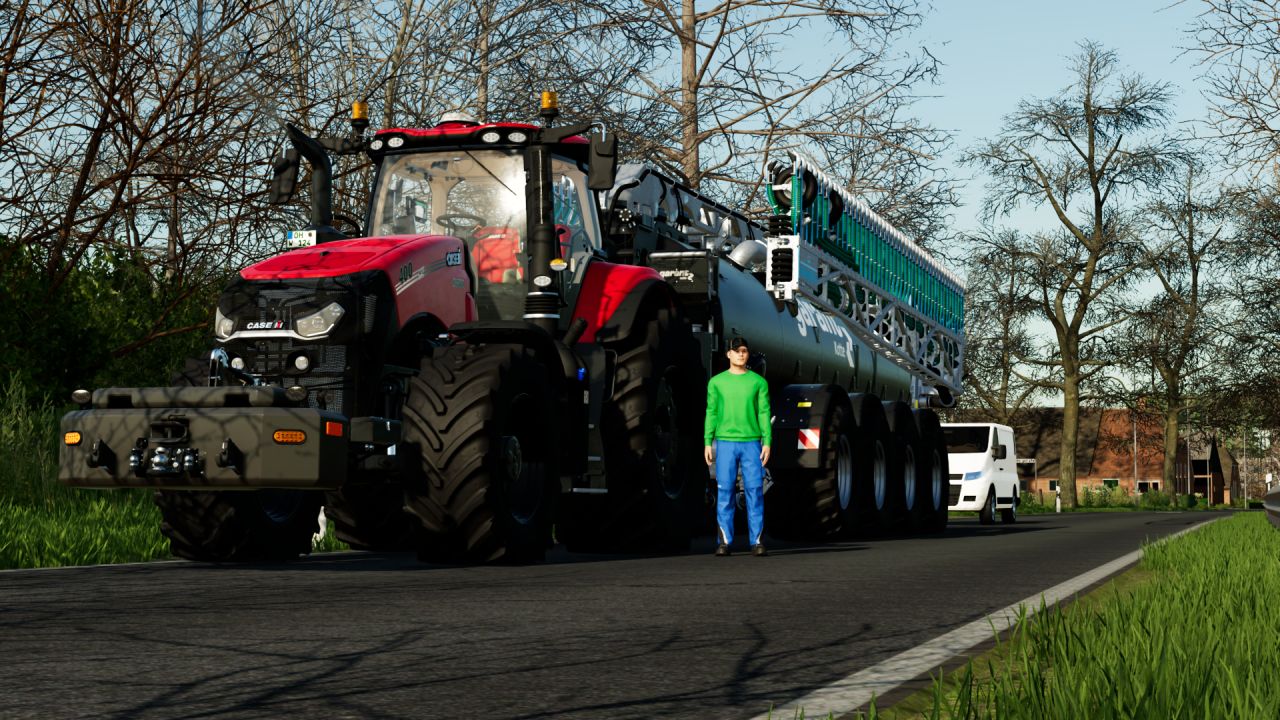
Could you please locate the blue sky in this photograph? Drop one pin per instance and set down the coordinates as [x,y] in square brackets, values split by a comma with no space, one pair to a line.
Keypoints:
[998,52]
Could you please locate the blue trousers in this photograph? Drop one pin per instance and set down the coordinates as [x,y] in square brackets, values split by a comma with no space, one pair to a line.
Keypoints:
[730,457]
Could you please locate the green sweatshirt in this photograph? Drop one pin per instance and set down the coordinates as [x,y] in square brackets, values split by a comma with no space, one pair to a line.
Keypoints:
[738,408]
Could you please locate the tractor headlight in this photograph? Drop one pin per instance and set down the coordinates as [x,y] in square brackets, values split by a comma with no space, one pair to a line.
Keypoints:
[223,326]
[319,324]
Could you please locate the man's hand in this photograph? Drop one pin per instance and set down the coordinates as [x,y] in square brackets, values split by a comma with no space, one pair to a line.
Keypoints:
[764,455]
[709,454]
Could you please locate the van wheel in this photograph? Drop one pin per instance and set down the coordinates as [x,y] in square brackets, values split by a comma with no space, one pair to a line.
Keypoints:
[1009,516]
[987,515]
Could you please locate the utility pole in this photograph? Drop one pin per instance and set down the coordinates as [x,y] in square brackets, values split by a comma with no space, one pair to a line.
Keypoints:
[1134,415]
[1244,466]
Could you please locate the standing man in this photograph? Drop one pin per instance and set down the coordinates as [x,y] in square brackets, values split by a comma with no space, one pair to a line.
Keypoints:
[737,436]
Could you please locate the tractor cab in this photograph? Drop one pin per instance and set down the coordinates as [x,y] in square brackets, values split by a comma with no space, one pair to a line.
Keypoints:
[469,180]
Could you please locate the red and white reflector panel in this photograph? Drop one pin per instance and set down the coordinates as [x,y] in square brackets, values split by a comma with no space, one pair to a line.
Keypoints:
[807,440]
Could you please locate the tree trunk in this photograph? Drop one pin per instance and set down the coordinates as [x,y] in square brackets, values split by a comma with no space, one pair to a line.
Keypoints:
[689,91]
[482,77]
[1168,477]
[1070,437]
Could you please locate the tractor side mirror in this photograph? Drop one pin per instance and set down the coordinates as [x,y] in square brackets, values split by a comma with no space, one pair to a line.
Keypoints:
[603,167]
[285,179]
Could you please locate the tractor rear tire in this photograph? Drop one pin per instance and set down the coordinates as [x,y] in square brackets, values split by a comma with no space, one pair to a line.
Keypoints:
[239,526]
[371,517]
[816,504]
[482,420]
[235,525]
[651,429]
[938,488]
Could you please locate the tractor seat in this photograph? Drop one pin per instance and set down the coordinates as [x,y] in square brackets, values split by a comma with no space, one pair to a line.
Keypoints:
[496,254]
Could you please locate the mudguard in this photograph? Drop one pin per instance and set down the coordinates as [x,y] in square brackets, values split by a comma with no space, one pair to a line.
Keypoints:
[611,299]
[799,414]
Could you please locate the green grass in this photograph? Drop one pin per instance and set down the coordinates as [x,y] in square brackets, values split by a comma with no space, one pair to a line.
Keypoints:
[44,524]
[1190,633]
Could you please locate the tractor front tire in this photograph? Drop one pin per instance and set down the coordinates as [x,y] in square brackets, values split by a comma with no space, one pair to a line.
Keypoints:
[482,420]
[371,517]
[239,526]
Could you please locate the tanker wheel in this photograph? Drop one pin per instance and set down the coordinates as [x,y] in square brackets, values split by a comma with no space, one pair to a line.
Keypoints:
[883,491]
[371,517]
[481,418]
[914,467]
[235,525]
[938,487]
[814,504]
[651,428]
[239,526]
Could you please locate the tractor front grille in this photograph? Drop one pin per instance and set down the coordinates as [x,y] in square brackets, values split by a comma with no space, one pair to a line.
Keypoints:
[274,358]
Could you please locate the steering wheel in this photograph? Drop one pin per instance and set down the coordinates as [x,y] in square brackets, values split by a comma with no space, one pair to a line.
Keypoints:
[460,222]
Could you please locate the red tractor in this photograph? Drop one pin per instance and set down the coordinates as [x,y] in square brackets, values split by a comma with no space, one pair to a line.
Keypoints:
[461,375]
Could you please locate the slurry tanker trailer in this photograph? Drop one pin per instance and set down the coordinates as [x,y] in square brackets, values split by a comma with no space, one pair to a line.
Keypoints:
[515,341]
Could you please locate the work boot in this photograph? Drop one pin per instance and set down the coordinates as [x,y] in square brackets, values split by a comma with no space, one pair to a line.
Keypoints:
[722,550]
[758,550]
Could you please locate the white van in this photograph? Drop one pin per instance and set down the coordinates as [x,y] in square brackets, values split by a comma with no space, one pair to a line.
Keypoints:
[983,470]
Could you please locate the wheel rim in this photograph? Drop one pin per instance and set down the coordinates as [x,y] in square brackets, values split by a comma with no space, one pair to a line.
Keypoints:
[844,471]
[880,475]
[935,481]
[991,501]
[521,479]
[666,441]
[909,476]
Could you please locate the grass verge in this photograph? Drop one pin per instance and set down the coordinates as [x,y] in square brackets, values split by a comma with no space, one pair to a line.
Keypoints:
[1190,632]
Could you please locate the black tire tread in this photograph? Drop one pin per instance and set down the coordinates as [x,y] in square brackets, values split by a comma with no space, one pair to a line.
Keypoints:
[635,516]
[227,526]
[450,404]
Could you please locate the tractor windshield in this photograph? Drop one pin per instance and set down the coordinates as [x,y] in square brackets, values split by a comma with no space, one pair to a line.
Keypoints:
[479,197]
[475,195]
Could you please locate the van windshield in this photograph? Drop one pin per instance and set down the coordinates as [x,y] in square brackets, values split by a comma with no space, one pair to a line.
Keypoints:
[967,439]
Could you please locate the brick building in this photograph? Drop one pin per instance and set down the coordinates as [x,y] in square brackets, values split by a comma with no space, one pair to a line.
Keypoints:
[1116,448]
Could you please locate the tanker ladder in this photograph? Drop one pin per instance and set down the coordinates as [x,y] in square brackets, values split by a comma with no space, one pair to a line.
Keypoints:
[835,246]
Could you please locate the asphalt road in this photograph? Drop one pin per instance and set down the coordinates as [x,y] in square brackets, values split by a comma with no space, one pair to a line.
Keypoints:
[359,635]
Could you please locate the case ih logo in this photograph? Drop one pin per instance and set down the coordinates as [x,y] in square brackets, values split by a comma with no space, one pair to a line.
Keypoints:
[266,325]
[453,258]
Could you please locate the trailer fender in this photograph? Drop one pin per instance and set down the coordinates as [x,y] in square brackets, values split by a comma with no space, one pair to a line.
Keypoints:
[612,297]
[800,412]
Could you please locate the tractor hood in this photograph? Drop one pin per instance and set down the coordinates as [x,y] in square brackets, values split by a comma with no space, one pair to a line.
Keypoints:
[343,257]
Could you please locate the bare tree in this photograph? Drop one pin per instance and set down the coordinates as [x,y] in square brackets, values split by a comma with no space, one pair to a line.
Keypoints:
[1238,45]
[727,99]
[999,304]
[1178,332]
[1080,153]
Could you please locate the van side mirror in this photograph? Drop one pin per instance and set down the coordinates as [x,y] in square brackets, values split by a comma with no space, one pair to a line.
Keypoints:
[999,452]
[603,167]
[285,179]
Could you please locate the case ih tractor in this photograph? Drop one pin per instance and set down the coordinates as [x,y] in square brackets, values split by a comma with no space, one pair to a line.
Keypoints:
[518,338]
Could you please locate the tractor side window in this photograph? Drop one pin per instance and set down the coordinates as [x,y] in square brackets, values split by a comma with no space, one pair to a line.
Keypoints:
[574,212]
